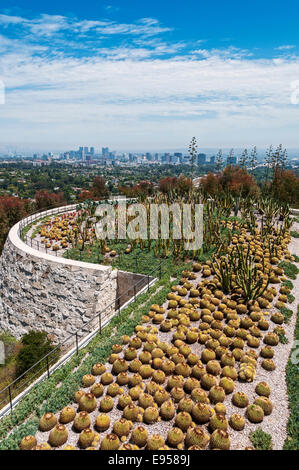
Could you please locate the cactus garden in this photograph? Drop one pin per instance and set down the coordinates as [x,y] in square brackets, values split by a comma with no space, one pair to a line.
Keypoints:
[205,366]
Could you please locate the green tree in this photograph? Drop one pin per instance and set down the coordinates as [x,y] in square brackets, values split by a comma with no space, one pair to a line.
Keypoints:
[219,161]
[36,345]
[193,154]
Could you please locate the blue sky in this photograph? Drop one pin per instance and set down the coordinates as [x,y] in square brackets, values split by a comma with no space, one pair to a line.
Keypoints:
[148,74]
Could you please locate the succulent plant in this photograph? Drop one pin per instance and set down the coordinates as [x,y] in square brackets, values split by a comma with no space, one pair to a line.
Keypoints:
[97,390]
[130,354]
[220,440]
[230,372]
[213,367]
[67,415]
[208,381]
[218,421]
[106,404]
[267,352]
[120,365]
[263,389]
[220,408]
[168,366]
[190,384]
[106,378]
[196,437]
[88,403]
[227,384]
[145,400]
[177,393]
[237,422]
[155,442]
[110,442]
[183,420]
[58,436]
[78,394]
[88,380]
[167,410]
[161,396]
[98,369]
[124,400]
[255,413]
[198,371]
[135,392]
[152,387]
[265,403]
[102,422]
[158,376]
[139,436]
[131,412]
[122,427]
[240,400]
[208,355]
[86,438]
[82,421]
[268,364]
[199,395]
[150,415]
[47,422]
[216,394]
[113,390]
[201,412]
[271,339]
[227,359]
[28,443]
[186,404]
[175,437]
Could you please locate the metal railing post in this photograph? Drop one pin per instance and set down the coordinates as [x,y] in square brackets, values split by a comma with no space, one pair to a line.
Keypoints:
[10,399]
[48,370]
[100,323]
[77,346]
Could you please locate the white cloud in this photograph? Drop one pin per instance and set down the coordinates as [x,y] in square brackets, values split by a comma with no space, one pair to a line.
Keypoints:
[48,25]
[285,48]
[129,96]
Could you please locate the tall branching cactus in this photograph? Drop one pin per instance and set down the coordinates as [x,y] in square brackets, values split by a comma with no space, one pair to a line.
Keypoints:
[238,271]
[247,276]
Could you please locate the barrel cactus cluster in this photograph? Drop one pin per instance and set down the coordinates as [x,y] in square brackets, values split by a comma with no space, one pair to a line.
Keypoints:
[179,381]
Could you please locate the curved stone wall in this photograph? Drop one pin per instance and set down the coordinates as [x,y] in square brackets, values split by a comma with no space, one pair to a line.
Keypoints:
[44,292]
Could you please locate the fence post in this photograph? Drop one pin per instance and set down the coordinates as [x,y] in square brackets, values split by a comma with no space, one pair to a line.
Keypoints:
[77,348]
[100,323]
[134,292]
[118,301]
[48,371]
[148,282]
[10,399]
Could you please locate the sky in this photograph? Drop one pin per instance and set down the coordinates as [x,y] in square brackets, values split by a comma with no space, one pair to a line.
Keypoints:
[148,75]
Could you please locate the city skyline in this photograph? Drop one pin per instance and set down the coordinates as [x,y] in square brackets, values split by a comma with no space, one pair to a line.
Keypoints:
[148,74]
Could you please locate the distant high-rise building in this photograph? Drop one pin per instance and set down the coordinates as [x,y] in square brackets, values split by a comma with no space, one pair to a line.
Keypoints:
[201,158]
[91,150]
[212,160]
[105,152]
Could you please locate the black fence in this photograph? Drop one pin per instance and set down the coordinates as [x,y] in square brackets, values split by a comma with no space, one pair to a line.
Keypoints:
[73,343]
